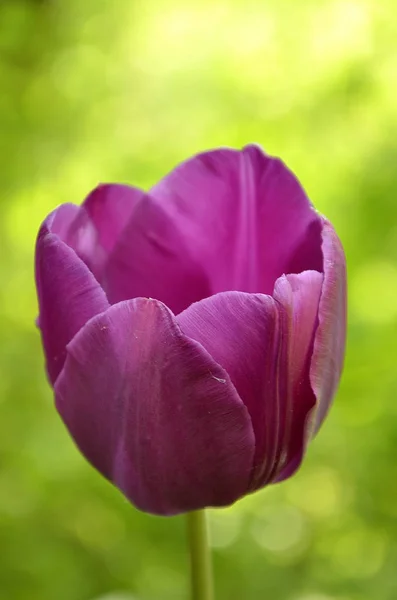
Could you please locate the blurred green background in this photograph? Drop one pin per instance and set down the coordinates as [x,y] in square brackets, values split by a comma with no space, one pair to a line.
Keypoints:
[94,91]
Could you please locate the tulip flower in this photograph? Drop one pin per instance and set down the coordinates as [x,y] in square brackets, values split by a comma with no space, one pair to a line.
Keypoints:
[194,334]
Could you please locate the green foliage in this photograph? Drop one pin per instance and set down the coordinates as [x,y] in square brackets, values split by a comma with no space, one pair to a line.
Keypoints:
[98,91]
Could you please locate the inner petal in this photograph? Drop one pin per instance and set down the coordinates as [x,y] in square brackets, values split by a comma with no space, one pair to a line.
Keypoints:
[100,221]
[151,259]
[224,220]
[244,218]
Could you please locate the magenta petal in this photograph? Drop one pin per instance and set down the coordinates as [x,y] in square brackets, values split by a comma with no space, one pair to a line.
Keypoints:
[242,333]
[151,259]
[153,411]
[68,293]
[329,344]
[299,295]
[308,254]
[243,216]
[100,222]
[62,218]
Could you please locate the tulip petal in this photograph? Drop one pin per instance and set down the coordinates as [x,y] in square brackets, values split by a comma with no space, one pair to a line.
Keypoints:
[68,294]
[100,221]
[243,216]
[242,333]
[299,295]
[62,219]
[154,412]
[329,344]
[264,344]
[151,259]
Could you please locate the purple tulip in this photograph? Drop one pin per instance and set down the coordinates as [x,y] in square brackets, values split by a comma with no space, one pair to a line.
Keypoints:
[194,335]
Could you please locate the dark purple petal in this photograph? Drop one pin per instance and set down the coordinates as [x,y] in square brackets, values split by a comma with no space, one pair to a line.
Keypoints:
[299,295]
[100,222]
[329,344]
[243,216]
[242,333]
[151,259]
[308,254]
[68,294]
[326,361]
[265,346]
[153,411]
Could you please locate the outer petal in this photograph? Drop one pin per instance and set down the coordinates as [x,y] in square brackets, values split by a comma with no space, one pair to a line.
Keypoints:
[68,294]
[264,344]
[299,295]
[243,216]
[154,412]
[100,222]
[326,363]
[151,259]
[242,333]
[329,344]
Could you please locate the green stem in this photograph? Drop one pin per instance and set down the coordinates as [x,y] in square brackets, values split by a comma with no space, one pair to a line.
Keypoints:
[200,560]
